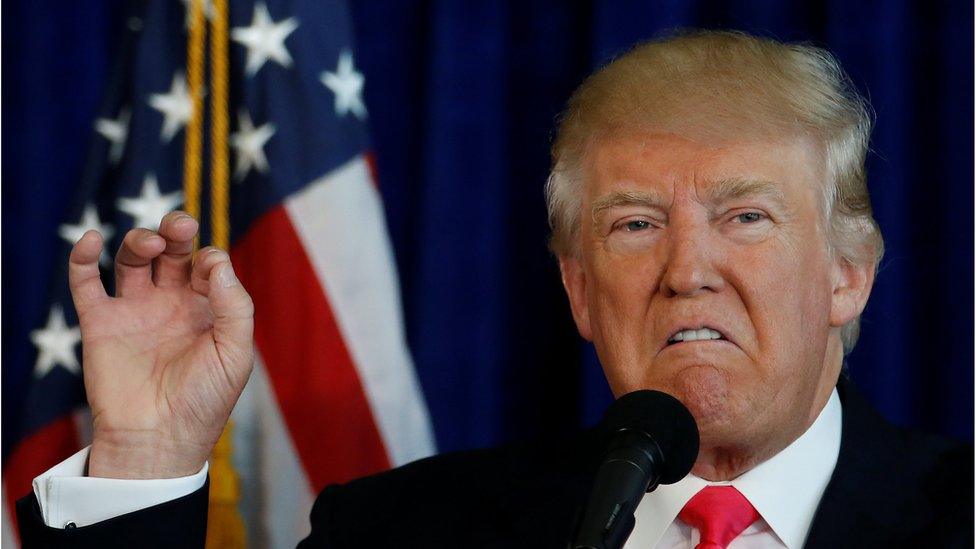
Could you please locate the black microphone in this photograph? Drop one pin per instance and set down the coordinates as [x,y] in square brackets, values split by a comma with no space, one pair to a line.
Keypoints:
[652,439]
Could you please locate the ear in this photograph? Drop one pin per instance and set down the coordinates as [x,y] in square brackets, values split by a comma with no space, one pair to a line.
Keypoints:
[852,286]
[574,281]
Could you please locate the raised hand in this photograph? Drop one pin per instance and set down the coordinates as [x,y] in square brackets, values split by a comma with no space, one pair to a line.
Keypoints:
[166,358]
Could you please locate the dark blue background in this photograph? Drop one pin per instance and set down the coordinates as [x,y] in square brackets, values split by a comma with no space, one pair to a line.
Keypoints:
[462,99]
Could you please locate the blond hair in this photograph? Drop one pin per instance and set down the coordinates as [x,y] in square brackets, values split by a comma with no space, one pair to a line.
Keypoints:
[723,83]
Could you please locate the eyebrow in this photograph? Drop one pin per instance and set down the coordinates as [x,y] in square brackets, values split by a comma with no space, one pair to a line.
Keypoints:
[724,190]
[627,198]
[735,188]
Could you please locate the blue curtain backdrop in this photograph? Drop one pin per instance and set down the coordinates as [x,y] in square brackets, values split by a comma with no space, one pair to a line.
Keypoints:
[462,97]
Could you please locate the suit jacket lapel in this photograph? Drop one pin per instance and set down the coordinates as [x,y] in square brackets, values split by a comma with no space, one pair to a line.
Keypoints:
[868,498]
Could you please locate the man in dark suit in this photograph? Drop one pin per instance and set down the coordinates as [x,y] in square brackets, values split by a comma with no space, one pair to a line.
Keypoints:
[711,218]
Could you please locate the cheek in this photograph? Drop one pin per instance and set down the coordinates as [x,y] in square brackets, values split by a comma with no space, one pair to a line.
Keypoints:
[622,290]
[788,300]
[619,301]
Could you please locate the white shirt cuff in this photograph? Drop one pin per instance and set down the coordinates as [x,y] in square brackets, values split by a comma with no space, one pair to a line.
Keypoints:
[65,495]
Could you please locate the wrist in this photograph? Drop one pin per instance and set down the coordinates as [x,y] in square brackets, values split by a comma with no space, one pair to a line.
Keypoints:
[142,455]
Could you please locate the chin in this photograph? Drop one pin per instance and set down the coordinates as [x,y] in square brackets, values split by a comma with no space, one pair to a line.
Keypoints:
[706,391]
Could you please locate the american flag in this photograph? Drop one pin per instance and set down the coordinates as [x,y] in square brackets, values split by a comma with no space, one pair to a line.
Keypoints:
[333,395]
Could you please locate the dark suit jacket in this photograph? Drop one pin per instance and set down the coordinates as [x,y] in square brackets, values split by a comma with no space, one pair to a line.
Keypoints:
[891,488]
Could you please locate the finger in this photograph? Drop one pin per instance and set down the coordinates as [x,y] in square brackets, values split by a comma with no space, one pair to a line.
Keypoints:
[172,267]
[133,263]
[204,261]
[233,326]
[83,275]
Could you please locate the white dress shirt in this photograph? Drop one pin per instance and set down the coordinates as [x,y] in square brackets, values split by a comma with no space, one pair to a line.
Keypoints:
[785,490]
[66,496]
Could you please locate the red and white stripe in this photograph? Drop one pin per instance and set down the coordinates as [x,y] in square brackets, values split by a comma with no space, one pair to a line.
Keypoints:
[276,493]
[334,395]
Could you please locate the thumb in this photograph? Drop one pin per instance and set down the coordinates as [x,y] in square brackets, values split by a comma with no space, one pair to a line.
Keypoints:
[233,327]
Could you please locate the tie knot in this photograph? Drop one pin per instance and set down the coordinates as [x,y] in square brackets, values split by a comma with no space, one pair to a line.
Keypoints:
[720,513]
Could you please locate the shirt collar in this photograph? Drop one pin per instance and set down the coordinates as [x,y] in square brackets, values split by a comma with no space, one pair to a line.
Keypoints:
[785,489]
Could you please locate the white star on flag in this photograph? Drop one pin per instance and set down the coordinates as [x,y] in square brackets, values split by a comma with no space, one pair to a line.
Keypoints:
[248,143]
[116,131]
[265,39]
[208,11]
[56,344]
[89,220]
[151,206]
[347,85]
[176,106]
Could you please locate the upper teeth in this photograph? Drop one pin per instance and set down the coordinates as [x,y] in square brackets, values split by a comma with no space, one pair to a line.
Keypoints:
[696,335]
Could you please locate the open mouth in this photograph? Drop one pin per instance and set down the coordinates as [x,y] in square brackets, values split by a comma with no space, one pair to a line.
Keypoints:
[700,334]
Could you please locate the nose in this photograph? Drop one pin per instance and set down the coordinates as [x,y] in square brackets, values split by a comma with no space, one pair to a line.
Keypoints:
[690,268]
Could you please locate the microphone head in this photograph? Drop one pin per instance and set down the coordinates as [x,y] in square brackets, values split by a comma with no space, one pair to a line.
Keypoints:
[663,418]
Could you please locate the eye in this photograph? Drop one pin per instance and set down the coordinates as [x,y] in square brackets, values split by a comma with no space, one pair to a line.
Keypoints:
[636,225]
[749,217]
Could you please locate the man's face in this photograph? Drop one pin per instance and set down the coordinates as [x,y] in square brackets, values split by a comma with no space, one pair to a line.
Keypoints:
[704,272]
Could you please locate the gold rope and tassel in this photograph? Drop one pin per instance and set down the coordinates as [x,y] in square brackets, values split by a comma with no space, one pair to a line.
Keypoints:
[193,146]
[225,529]
[219,128]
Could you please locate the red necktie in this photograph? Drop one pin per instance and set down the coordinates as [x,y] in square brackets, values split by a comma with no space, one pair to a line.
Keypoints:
[720,513]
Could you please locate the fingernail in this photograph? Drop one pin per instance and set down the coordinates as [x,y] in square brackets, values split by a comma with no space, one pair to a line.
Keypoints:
[226,276]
